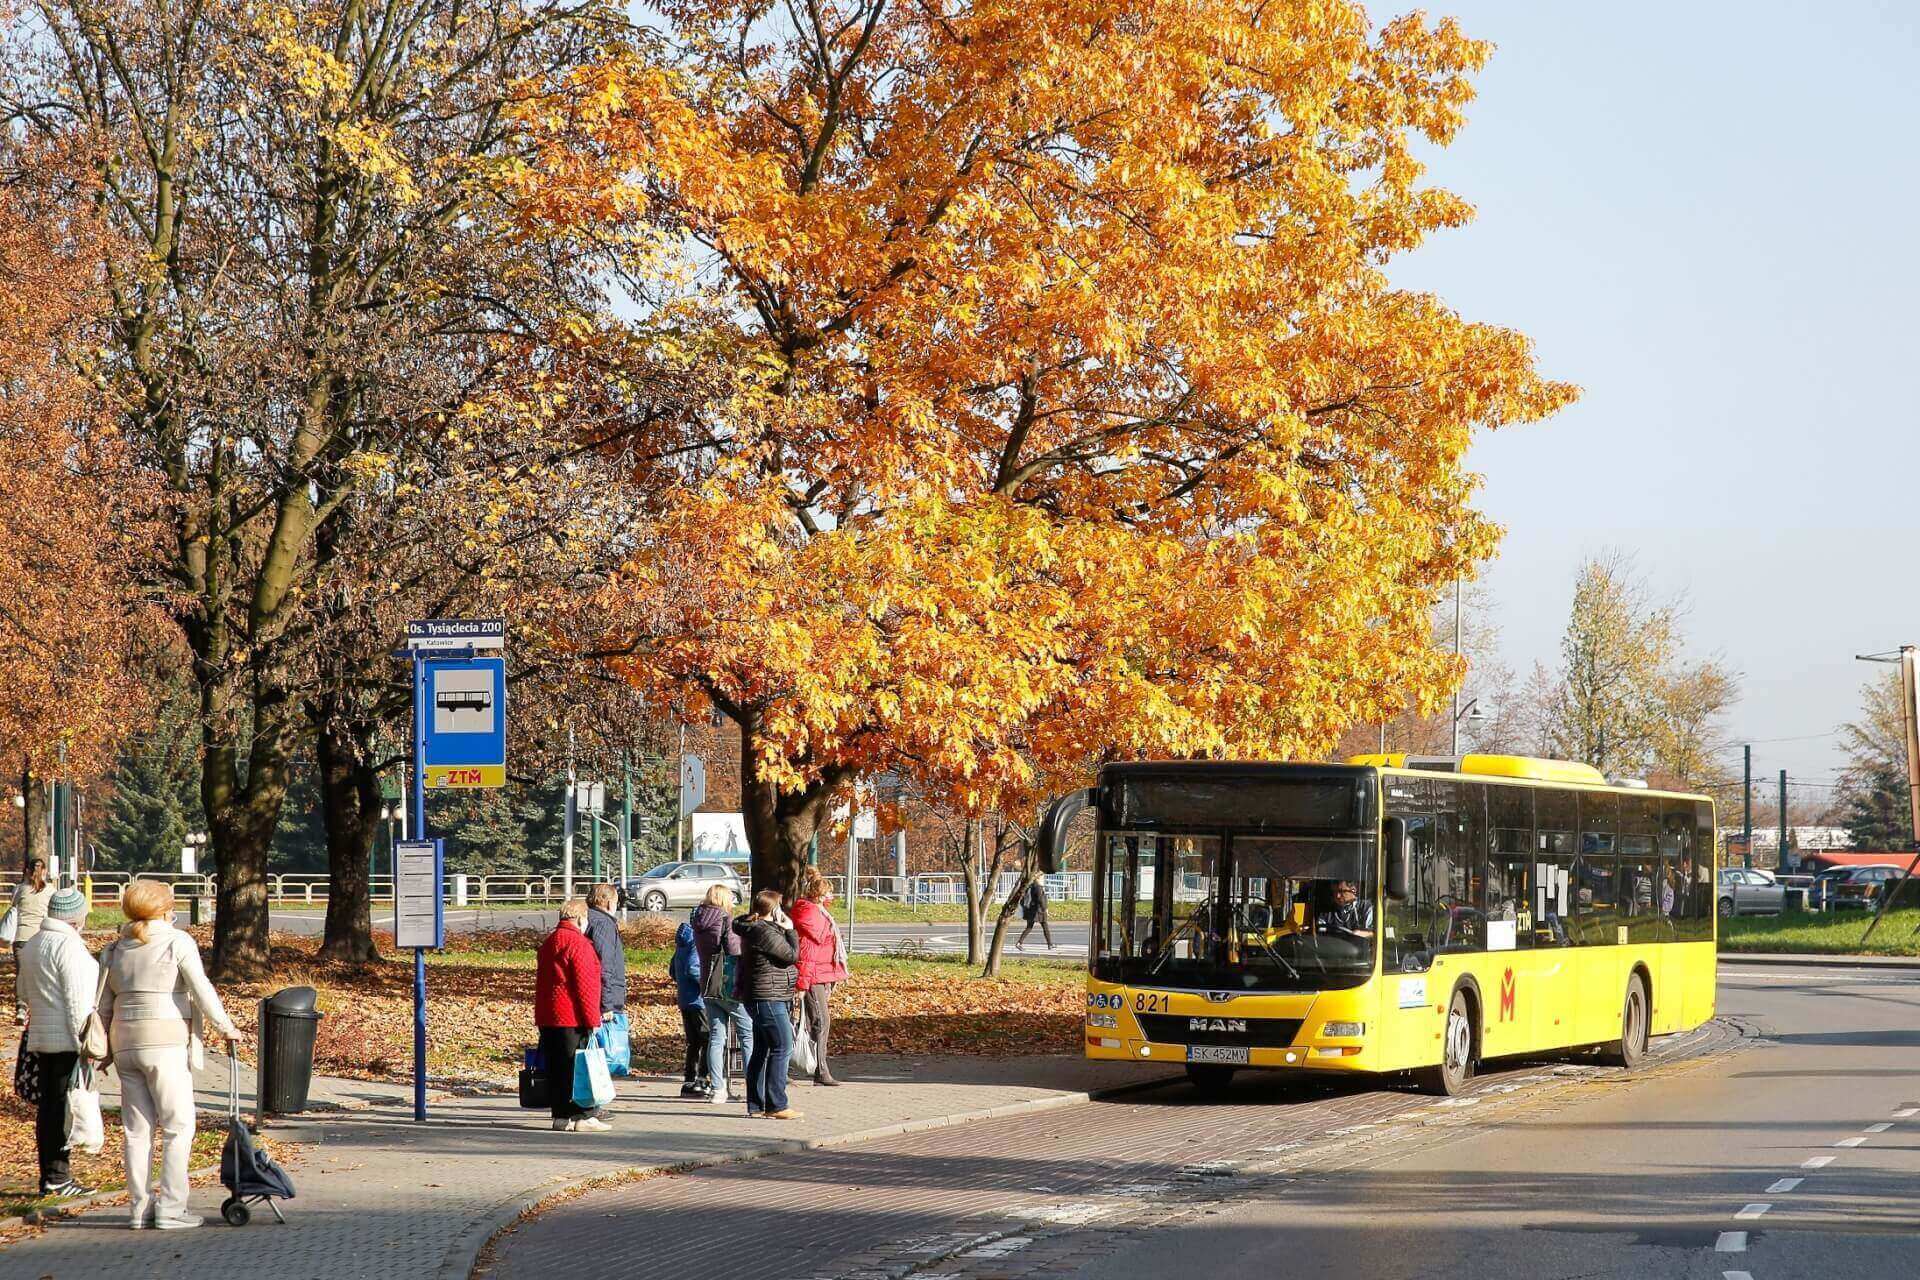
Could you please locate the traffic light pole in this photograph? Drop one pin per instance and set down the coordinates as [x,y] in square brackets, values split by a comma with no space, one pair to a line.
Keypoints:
[1747,791]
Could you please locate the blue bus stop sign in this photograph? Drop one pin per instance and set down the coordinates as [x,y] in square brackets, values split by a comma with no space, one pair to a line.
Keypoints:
[465,724]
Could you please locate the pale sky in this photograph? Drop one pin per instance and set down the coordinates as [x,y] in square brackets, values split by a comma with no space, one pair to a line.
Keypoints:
[1705,214]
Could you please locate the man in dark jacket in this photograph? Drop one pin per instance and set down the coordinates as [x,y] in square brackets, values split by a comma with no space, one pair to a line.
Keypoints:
[603,931]
[1033,909]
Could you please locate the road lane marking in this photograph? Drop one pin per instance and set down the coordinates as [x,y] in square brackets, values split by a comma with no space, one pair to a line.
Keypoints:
[1849,1142]
[1882,1127]
[1731,1242]
[1753,1211]
[1783,1186]
[1818,1162]
[1906,1112]
[1724,1275]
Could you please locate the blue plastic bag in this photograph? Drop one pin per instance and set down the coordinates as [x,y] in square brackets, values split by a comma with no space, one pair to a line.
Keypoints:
[616,1037]
[592,1082]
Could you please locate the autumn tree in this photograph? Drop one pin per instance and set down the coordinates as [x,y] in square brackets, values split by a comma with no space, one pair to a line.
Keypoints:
[75,530]
[314,285]
[1873,787]
[1071,411]
[1624,697]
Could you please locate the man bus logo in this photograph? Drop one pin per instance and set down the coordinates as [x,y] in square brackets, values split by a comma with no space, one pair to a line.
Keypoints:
[1217,1024]
[1506,996]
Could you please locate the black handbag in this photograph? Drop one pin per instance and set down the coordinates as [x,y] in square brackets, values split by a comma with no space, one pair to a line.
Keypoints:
[533,1088]
[26,1073]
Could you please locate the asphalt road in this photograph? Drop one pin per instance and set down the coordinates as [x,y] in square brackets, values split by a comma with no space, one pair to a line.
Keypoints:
[1781,1141]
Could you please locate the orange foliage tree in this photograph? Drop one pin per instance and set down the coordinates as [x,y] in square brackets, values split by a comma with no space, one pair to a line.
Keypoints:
[1071,414]
[74,530]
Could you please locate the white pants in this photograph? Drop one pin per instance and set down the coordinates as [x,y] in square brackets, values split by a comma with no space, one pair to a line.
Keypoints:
[156,1091]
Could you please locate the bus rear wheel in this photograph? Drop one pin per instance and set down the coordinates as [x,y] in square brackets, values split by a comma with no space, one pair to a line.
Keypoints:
[1631,1047]
[1209,1078]
[1455,1071]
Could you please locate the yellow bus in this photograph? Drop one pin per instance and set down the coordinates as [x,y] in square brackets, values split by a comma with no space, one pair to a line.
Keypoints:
[1389,914]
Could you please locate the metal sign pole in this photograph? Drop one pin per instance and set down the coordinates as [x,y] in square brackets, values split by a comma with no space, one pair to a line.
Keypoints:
[420,833]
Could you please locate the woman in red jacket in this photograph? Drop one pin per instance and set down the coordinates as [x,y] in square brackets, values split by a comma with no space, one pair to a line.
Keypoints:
[566,1006]
[822,963]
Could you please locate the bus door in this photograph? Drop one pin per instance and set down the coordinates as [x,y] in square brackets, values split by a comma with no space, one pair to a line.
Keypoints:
[1555,918]
[1517,959]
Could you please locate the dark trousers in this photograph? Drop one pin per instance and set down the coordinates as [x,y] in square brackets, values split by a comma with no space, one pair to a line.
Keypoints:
[772,1050]
[819,1022]
[50,1119]
[694,1023]
[1046,930]
[557,1047]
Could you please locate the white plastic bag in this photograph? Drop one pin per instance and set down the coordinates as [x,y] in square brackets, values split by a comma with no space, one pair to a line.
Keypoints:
[592,1082]
[803,1063]
[85,1130]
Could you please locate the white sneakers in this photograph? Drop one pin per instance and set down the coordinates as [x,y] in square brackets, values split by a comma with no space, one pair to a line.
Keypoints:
[582,1124]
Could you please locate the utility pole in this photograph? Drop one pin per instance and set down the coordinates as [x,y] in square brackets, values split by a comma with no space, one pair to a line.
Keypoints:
[1781,861]
[566,840]
[679,775]
[1747,823]
[626,825]
[1456,653]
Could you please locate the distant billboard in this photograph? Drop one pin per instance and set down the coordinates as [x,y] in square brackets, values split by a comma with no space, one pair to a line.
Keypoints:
[721,836]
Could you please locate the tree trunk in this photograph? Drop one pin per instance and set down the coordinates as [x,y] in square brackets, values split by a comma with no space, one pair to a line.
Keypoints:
[971,874]
[241,818]
[350,810]
[1003,921]
[36,839]
[780,825]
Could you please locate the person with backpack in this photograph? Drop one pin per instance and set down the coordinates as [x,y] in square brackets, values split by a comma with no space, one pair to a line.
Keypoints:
[767,979]
[717,948]
[1033,909]
[684,969]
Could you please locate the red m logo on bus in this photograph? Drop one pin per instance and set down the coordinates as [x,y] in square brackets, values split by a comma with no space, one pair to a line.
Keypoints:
[1506,996]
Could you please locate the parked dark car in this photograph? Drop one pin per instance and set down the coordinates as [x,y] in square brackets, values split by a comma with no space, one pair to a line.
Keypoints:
[1863,886]
[1749,893]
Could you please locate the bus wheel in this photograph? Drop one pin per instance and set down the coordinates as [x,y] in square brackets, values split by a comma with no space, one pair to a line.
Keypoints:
[1209,1078]
[1632,1045]
[1451,1077]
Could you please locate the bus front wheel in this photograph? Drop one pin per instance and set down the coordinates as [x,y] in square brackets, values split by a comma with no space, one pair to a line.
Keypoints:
[1209,1078]
[1634,1020]
[1455,1071]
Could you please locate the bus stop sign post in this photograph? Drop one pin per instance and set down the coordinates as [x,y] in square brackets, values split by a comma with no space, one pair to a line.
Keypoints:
[459,741]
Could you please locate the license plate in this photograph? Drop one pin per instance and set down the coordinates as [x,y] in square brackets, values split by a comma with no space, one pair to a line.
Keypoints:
[1233,1053]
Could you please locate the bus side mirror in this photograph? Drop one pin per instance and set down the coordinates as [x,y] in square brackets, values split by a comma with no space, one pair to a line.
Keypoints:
[1053,826]
[1399,859]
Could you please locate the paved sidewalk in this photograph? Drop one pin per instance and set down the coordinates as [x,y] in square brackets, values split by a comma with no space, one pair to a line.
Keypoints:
[382,1197]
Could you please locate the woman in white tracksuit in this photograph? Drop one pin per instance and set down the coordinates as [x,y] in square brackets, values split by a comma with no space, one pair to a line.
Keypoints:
[155,998]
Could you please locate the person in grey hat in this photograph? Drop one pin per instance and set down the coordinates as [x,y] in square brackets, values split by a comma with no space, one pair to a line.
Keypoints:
[59,979]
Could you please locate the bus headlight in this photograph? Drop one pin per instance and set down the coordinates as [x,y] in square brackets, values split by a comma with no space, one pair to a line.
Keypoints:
[1344,1029]
[1102,1020]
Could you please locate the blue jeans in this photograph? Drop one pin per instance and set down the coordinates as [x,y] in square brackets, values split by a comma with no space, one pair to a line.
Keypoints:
[717,1025]
[772,1047]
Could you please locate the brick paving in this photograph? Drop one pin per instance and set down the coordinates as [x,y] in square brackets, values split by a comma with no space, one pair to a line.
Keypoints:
[1014,1196]
[382,1197]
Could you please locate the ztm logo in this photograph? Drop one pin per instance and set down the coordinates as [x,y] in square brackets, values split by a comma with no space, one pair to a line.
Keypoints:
[1506,996]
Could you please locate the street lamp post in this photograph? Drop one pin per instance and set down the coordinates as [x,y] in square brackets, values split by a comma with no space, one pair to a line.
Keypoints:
[1471,713]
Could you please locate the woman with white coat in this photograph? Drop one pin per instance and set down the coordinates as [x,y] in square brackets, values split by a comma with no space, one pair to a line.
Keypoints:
[154,1001]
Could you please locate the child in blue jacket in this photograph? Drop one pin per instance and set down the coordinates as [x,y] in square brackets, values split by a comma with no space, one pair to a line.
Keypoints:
[684,969]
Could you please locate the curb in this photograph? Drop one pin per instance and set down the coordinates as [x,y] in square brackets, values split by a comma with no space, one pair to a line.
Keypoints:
[1819,961]
[464,1253]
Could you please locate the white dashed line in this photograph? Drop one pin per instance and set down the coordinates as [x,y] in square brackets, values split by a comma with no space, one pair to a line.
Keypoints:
[1731,1242]
[1753,1211]
[1906,1112]
[1783,1186]
[1849,1142]
[1724,1275]
[1882,1127]
[1818,1162]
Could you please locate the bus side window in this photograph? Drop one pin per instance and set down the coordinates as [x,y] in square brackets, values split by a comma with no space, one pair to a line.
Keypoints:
[1596,902]
[1506,898]
[1556,839]
[1407,945]
[1458,922]
[1643,881]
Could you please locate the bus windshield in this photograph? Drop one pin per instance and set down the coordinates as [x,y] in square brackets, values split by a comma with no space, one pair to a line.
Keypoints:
[1236,912]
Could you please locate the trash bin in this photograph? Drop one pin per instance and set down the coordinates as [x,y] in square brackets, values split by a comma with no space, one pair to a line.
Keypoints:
[288,1024]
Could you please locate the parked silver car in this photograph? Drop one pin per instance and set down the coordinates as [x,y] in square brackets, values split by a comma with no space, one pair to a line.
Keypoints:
[1749,893]
[680,884]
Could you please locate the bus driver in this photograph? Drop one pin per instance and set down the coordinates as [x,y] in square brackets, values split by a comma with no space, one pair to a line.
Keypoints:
[1349,915]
